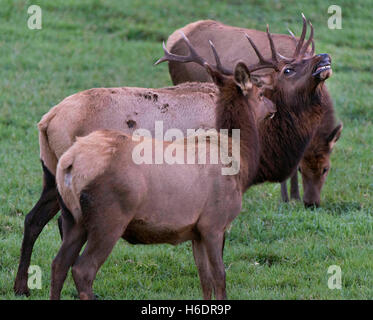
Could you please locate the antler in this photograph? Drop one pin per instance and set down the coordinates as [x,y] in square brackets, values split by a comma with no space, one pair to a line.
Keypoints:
[193,56]
[301,50]
[293,36]
[301,39]
[296,41]
[310,40]
[219,66]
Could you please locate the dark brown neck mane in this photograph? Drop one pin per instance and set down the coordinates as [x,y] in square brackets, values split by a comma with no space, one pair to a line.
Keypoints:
[318,146]
[234,112]
[284,138]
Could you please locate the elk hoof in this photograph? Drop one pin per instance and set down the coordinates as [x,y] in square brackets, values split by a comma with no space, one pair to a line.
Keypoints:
[21,290]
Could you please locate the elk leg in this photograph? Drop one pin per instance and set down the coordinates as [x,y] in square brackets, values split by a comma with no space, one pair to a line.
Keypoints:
[205,277]
[60,228]
[294,187]
[284,192]
[75,237]
[103,234]
[84,271]
[214,247]
[43,211]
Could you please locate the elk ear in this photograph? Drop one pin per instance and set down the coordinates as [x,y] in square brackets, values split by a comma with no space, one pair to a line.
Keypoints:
[264,81]
[216,76]
[242,77]
[334,135]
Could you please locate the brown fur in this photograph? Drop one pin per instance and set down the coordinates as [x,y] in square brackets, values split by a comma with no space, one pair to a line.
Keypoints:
[190,106]
[110,196]
[286,138]
[315,163]
[100,108]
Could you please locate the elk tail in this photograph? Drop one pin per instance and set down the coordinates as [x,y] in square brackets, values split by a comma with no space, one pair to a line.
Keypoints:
[47,156]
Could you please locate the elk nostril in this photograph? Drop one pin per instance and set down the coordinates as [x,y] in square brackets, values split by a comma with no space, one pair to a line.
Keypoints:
[311,205]
[325,57]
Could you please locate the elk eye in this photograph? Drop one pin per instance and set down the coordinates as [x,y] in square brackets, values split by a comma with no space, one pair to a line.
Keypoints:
[325,170]
[288,71]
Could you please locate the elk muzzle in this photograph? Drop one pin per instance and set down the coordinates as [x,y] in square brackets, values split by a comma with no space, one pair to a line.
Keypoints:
[323,69]
[311,193]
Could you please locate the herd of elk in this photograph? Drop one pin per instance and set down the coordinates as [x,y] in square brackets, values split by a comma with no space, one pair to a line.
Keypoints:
[106,196]
[232,44]
[300,99]
[186,106]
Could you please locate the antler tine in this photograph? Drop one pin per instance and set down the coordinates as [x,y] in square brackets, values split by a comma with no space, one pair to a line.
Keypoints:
[310,40]
[263,63]
[219,66]
[167,54]
[292,34]
[217,59]
[259,55]
[273,48]
[313,48]
[193,53]
[301,40]
[192,57]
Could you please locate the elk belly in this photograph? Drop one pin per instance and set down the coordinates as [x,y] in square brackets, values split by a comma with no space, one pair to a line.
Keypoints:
[142,232]
[175,197]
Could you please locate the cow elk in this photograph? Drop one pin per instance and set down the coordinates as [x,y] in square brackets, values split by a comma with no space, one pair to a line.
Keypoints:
[301,72]
[106,196]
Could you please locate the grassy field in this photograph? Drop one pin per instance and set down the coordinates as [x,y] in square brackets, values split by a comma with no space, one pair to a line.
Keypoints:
[273,250]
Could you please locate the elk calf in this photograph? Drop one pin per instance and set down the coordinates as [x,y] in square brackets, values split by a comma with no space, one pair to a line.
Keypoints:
[106,196]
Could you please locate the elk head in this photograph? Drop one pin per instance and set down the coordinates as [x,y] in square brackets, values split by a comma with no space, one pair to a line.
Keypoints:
[252,87]
[299,75]
[315,165]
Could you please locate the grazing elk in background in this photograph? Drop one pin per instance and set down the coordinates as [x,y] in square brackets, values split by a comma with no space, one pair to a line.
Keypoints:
[106,196]
[186,106]
[314,166]
[230,41]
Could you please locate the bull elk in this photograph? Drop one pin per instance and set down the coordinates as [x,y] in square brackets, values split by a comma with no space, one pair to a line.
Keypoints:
[105,196]
[186,106]
[322,130]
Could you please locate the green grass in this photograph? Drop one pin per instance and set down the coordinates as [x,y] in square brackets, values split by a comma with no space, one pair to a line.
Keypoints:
[273,250]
